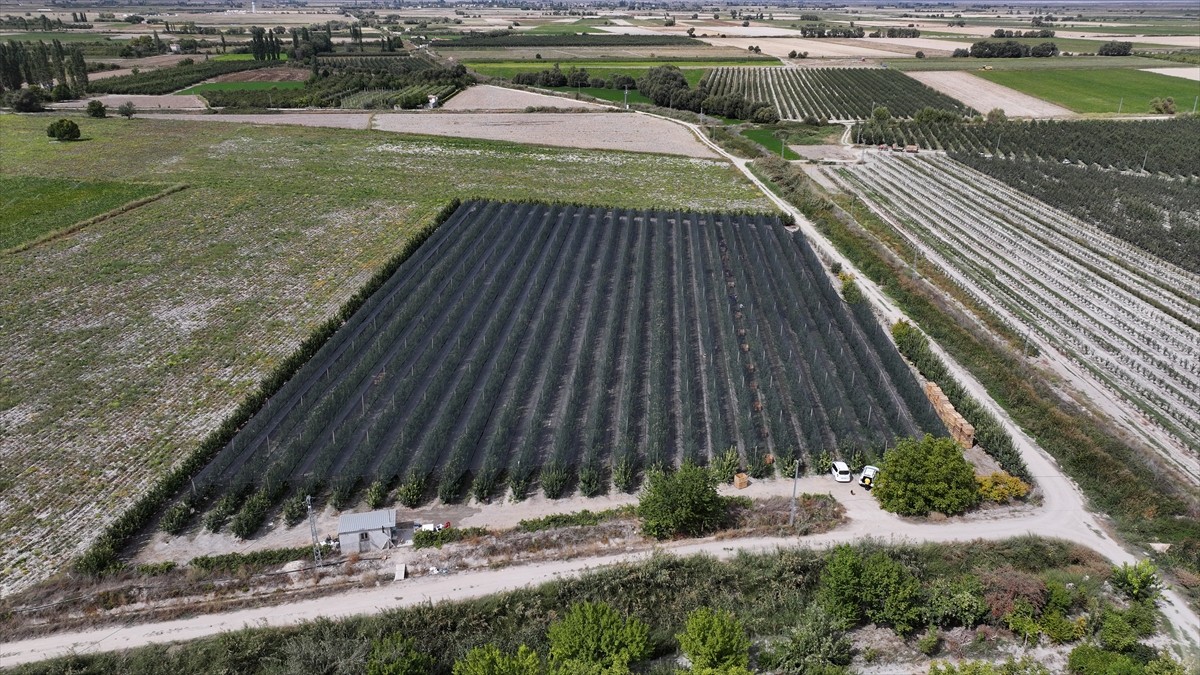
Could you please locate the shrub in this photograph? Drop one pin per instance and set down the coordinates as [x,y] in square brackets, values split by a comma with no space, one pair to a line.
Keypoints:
[891,595]
[930,643]
[818,644]
[489,660]
[956,602]
[684,502]
[594,634]
[96,109]
[1000,487]
[1138,581]
[1007,587]
[1026,666]
[715,639]
[439,538]
[398,655]
[1060,629]
[63,130]
[1092,660]
[126,110]
[1116,634]
[921,476]
[839,587]
[27,100]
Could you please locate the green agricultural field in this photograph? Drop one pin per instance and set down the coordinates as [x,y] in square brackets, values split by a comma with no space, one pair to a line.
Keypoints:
[693,70]
[128,343]
[1055,63]
[1099,91]
[614,95]
[240,86]
[766,138]
[34,207]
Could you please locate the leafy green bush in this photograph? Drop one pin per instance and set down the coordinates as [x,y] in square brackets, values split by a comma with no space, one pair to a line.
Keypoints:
[439,538]
[96,108]
[921,476]
[684,502]
[956,602]
[594,634]
[1026,666]
[489,660]
[1001,488]
[1138,581]
[1092,660]
[715,639]
[1059,629]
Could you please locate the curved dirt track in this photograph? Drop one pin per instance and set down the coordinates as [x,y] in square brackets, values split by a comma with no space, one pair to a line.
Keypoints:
[1062,514]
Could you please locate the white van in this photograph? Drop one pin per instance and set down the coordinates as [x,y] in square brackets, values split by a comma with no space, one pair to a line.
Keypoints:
[841,472]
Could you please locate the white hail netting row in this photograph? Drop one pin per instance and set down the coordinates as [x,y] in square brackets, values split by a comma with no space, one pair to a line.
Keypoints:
[1036,272]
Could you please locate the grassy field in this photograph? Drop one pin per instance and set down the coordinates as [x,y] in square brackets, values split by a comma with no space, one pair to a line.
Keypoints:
[219,282]
[692,70]
[766,138]
[32,207]
[614,95]
[240,86]
[1099,91]
[1057,63]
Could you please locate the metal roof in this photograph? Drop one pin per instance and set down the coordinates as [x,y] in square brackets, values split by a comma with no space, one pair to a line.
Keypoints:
[371,520]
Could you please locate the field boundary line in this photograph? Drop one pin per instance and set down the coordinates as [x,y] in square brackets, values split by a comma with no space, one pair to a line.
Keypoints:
[107,215]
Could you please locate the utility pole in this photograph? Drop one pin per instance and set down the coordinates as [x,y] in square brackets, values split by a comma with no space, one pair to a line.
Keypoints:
[795,485]
[312,528]
[1144,161]
[1120,105]
[627,97]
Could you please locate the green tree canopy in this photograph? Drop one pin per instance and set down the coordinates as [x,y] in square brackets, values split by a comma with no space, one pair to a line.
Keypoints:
[924,475]
[684,502]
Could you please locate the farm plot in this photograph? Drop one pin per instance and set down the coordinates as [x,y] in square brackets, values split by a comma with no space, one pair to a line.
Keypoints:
[831,93]
[33,208]
[567,343]
[1125,316]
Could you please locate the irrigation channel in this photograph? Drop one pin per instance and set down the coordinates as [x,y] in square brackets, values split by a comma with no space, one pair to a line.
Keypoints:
[1124,315]
[575,346]
[836,94]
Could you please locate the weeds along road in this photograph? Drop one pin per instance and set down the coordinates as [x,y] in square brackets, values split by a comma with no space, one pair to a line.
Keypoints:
[1062,514]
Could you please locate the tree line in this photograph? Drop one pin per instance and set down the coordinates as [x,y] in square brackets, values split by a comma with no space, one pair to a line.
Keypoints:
[47,66]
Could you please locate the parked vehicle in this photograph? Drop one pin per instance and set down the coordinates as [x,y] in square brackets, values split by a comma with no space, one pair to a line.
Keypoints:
[841,472]
[867,477]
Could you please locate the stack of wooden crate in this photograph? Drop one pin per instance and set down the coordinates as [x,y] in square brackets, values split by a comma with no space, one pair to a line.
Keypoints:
[960,429]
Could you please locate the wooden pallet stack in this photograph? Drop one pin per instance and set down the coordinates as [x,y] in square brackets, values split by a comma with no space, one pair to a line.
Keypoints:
[960,429]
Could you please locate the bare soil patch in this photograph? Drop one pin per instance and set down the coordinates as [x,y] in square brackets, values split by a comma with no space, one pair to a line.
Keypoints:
[1192,73]
[488,97]
[284,74]
[602,131]
[839,153]
[983,95]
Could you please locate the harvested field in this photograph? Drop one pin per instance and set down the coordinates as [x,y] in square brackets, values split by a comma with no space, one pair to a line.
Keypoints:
[488,97]
[601,131]
[551,54]
[555,342]
[912,45]
[1192,73]
[220,282]
[983,95]
[328,120]
[1183,41]
[140,102]
[779,47]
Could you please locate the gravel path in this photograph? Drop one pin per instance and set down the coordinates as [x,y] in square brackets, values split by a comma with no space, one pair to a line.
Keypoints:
[983,95]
